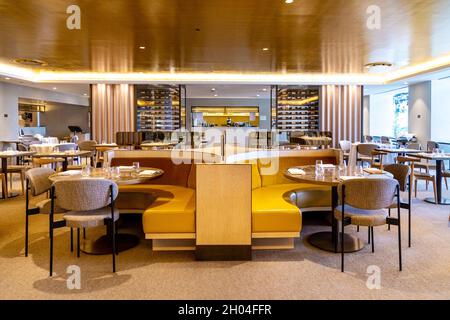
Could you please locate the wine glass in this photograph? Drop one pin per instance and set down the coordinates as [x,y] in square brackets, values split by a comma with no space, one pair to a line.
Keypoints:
[359,171]
[319,168]
[86,171]
[136,167]
[115,173]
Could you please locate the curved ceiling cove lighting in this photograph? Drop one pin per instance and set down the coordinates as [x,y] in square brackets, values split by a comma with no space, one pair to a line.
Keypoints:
[401,74]
[205,78]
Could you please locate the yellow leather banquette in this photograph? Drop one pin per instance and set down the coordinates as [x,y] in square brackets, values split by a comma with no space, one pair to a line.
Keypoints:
[168,202]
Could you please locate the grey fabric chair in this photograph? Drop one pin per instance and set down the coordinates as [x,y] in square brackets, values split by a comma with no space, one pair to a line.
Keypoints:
[363,203]
[37,183]
[66,147]
[402,173]
[414,146]
[89,203]
[385,140]
[345,146]
[87,145]
[365,151]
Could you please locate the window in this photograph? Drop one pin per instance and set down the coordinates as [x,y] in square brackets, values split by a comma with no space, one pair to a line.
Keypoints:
[389,113]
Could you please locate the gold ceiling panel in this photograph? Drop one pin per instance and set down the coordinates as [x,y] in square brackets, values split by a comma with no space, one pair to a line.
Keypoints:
[307,36]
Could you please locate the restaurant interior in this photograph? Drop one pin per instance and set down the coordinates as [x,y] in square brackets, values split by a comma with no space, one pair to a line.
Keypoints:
[263,150]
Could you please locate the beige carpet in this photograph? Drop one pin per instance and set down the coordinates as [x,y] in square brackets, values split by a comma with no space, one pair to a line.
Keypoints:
[303,273]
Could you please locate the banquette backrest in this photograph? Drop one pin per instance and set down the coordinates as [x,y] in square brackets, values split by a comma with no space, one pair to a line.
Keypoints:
[268,167]
[179,169]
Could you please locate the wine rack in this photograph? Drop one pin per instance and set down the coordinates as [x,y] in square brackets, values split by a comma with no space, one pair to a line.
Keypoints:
[159,108]
[297,108]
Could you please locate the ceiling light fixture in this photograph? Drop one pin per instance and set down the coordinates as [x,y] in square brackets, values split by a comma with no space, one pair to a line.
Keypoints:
[142,47]
[213,89]
[289,1]
[30,62]
[265,49]
[378,64]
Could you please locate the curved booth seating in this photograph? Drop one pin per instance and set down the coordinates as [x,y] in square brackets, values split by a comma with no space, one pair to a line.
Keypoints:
[168,202]
[277,202]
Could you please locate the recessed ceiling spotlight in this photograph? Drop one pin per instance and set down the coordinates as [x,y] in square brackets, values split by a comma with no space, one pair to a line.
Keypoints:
[378,64]
[265,49]
[213,89]
[30,62]
[289,1]
[142,48]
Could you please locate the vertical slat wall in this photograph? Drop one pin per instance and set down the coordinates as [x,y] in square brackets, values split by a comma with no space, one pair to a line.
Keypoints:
[112,110]
[340,112]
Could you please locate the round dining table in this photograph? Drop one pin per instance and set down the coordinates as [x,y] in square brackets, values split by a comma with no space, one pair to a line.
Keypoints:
[4,156]
[332,177]
[127,176]
[64,156]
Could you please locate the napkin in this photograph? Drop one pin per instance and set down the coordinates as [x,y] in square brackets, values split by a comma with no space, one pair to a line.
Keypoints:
[70,173]
[373,171]
[296,172]
[126,167]
[148,172]
[345,178]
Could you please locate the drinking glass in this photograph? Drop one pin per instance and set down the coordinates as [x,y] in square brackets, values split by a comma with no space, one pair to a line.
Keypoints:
[86,171]
[115,173]
[136,167]
[359,171]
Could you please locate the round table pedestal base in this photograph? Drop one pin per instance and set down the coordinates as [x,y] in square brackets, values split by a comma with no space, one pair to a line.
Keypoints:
[103,245]
[444,202]
[323,241]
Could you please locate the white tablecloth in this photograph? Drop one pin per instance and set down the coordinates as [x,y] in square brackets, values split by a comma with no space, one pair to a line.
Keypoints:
[353,156]
[50,140]
[43,148]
